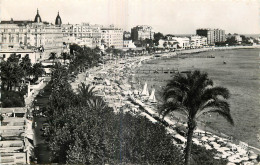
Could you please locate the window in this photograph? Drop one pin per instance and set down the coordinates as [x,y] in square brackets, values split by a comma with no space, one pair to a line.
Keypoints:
[3,56]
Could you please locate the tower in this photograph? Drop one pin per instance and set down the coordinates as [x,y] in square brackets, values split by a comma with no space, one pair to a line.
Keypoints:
[58,21]
[37,18]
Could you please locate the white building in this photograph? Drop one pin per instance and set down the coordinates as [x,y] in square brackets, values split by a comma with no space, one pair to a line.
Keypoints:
[183,42]
[204,41]
[238,38]
[82,34]
[195,41]
[129,44]
[112,37]
[167,43]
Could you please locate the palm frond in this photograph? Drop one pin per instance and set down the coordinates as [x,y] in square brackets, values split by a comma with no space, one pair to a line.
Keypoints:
[172,106]
[213,93]
[217,106]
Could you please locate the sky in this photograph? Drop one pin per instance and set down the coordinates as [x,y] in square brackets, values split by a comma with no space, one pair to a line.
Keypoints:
[166,16]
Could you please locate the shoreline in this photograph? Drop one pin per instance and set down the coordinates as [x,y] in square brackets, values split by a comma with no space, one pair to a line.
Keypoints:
[144,59]
[201,125]
[199,50]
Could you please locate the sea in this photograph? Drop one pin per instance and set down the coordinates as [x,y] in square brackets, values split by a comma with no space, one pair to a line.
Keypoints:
[240,74]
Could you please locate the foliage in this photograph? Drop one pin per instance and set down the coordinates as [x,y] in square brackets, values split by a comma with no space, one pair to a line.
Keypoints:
[201,156]
[83,57]
[14,72]
[26,65]
[157,37]
[12,99]
[193,95]
[37,71]
[11,72]
[88,132]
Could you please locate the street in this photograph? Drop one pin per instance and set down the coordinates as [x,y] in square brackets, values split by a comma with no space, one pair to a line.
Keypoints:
[41,150]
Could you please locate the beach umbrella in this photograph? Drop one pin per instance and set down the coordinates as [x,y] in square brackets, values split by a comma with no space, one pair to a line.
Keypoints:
[196,141]
[245,158]
[204,138]
[208,147]
[252,156]
[230,163]
[211,139]
[248,163]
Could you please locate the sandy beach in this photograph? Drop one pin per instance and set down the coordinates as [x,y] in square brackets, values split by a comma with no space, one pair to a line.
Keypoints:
[240,75]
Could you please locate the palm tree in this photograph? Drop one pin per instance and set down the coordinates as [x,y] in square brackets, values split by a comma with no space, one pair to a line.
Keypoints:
[37,70]
[53,56]
[86,91]
[96,103]
[26,65]
[11,74]
[194,95]
[65,56]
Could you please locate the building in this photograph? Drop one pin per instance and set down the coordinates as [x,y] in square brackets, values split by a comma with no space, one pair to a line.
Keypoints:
[204,41]
[183,42]
[167,43]
[198,41]
[82,34]
[128,44]
[142,32]
[34,35]
[112,37]
[213,35]
[16,145]
[33,55]
[195,41]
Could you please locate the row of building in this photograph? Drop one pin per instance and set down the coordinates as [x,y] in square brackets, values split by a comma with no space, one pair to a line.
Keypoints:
[38,38]
[174,42]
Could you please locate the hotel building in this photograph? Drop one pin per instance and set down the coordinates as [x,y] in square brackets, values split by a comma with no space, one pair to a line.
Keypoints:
[82,34]
[112,36]
[213,35]
[142,32]
[36,36]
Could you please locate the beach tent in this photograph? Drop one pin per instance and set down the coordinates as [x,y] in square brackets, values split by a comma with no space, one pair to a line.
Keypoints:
[152,98]
[145,91]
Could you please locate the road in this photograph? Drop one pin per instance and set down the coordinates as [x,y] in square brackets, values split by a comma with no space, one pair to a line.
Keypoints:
[41,150]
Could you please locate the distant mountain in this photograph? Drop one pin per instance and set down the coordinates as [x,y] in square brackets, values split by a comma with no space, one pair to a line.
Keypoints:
[251,35]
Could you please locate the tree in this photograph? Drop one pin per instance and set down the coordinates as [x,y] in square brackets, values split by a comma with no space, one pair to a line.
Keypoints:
[157,37]
[53,56]
[194,95]
[11,73]
[26,65]
[65,56]
[86,92]
[37,70]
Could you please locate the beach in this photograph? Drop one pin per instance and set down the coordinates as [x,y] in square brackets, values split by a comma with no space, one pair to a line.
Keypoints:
[240,75]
